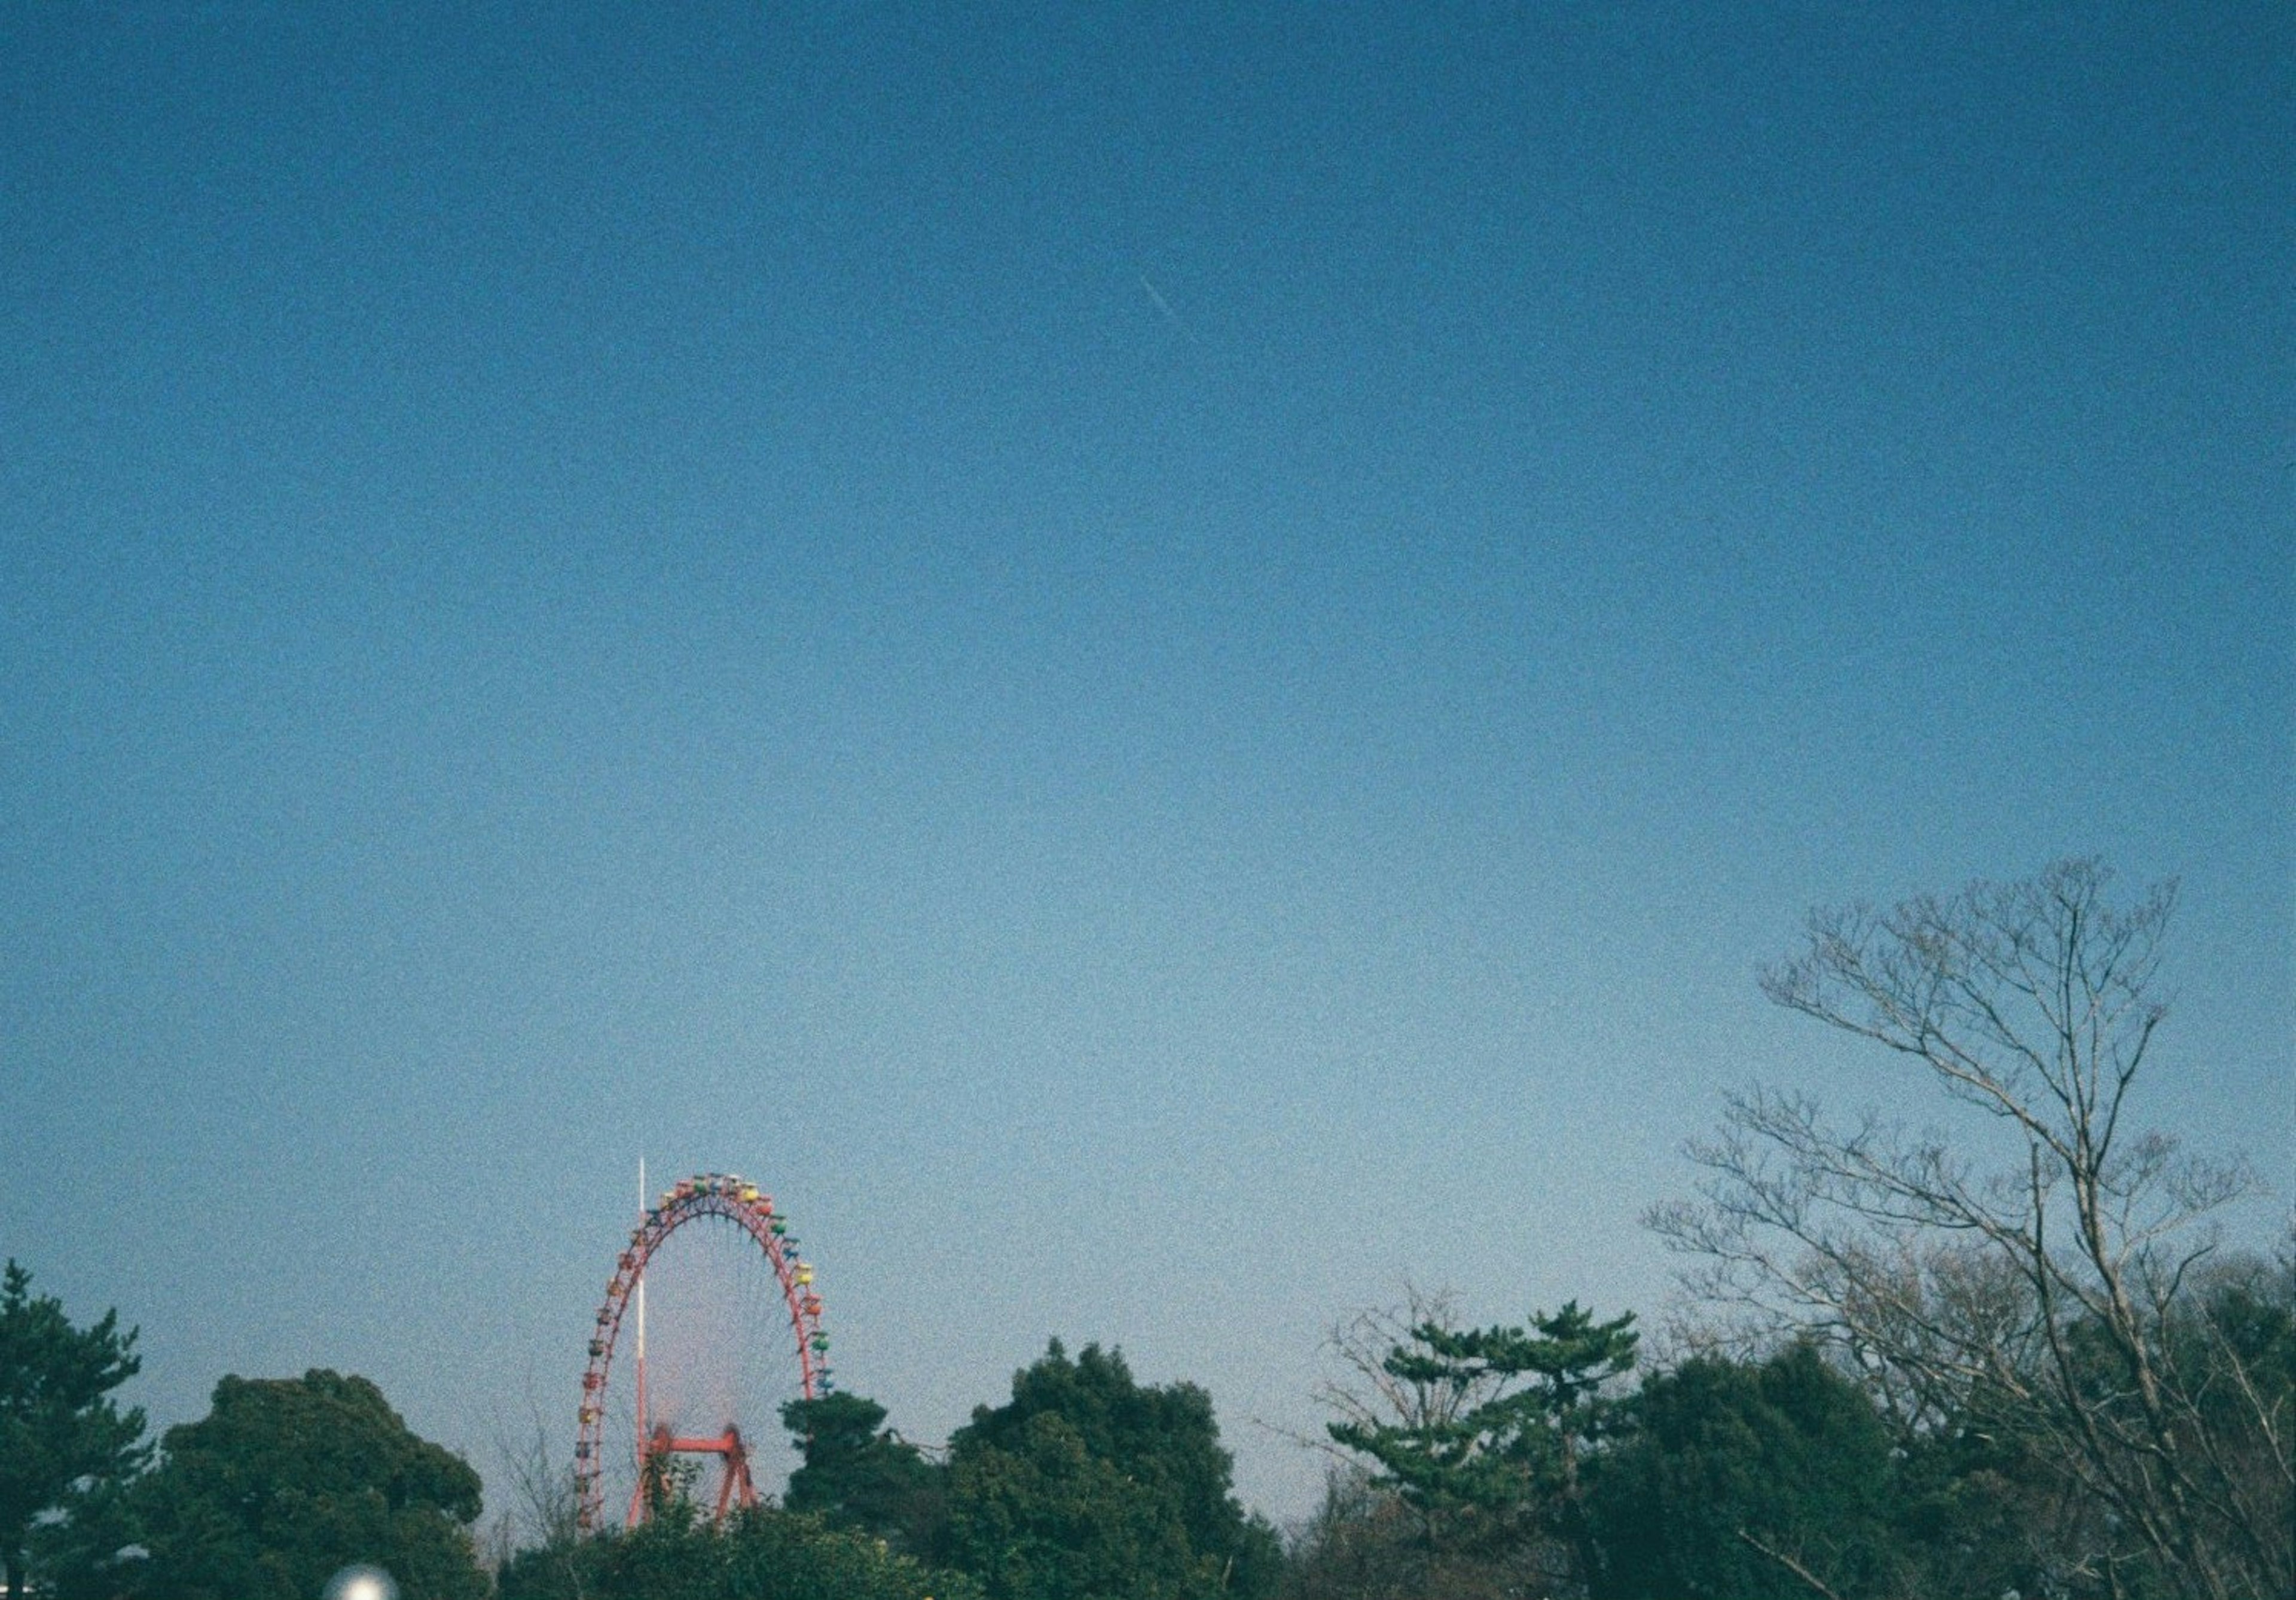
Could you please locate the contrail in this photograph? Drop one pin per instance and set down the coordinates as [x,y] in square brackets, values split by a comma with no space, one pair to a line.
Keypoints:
[1163,306]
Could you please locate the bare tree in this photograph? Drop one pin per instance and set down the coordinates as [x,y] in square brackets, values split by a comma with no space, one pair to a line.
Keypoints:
[545,1516]
[2045,1288]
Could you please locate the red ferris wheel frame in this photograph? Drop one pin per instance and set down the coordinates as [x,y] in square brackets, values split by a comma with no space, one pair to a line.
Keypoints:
[704,1194]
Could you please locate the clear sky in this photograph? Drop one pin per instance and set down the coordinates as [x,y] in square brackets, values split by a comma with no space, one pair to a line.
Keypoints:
[1169,663]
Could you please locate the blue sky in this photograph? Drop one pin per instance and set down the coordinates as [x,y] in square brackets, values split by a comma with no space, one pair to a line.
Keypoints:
[1169,663]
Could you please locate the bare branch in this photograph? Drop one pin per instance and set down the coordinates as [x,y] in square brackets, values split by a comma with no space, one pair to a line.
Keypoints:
[1789,1565]
[2056,1287]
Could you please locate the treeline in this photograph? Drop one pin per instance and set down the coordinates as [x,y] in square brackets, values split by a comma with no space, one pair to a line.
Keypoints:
[2007,1359]
[1519,1462]
[1084,1482]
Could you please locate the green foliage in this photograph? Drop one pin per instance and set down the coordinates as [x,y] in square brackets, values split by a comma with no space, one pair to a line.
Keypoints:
[65,1447]
[761,1554]
[781,1556]
[2230,1354]
[1512,1466]
[859,1476]
[1982,1508]
[286,1480]
[1737,1475]
[1086,1484]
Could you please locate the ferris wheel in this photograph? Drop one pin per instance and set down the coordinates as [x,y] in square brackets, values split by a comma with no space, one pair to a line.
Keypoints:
[657,1442]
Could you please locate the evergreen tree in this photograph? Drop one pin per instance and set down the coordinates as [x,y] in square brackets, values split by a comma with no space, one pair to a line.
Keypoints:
[286,1480]
[1769,1482]
[763,1552]
[1514,1466]
[65,1447]
[2047,1296]
[861,1476]
[1089,1484]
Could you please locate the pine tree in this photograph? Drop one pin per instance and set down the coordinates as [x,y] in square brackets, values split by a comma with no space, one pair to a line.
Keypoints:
[64,1445]
[1512,1467]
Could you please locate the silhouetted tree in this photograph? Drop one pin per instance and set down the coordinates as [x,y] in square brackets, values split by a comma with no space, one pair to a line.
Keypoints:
[762,1553]
[1366,1542]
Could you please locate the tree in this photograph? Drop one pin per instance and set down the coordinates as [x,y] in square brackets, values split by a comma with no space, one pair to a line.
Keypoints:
[1510,1464]
[2036,1294]
[1372,1393]
[861,1476]
[286,1480]
[1767,1482]
[542,1521]
[2236,1329]
[1086,1483]
[65,1447]
[1366,1541]
[772,1555]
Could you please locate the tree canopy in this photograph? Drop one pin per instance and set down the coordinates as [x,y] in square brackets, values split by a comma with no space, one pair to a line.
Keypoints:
[1088,1484]
[858,1475]
[2047,1298]
[287,1480]
[1758,1482]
